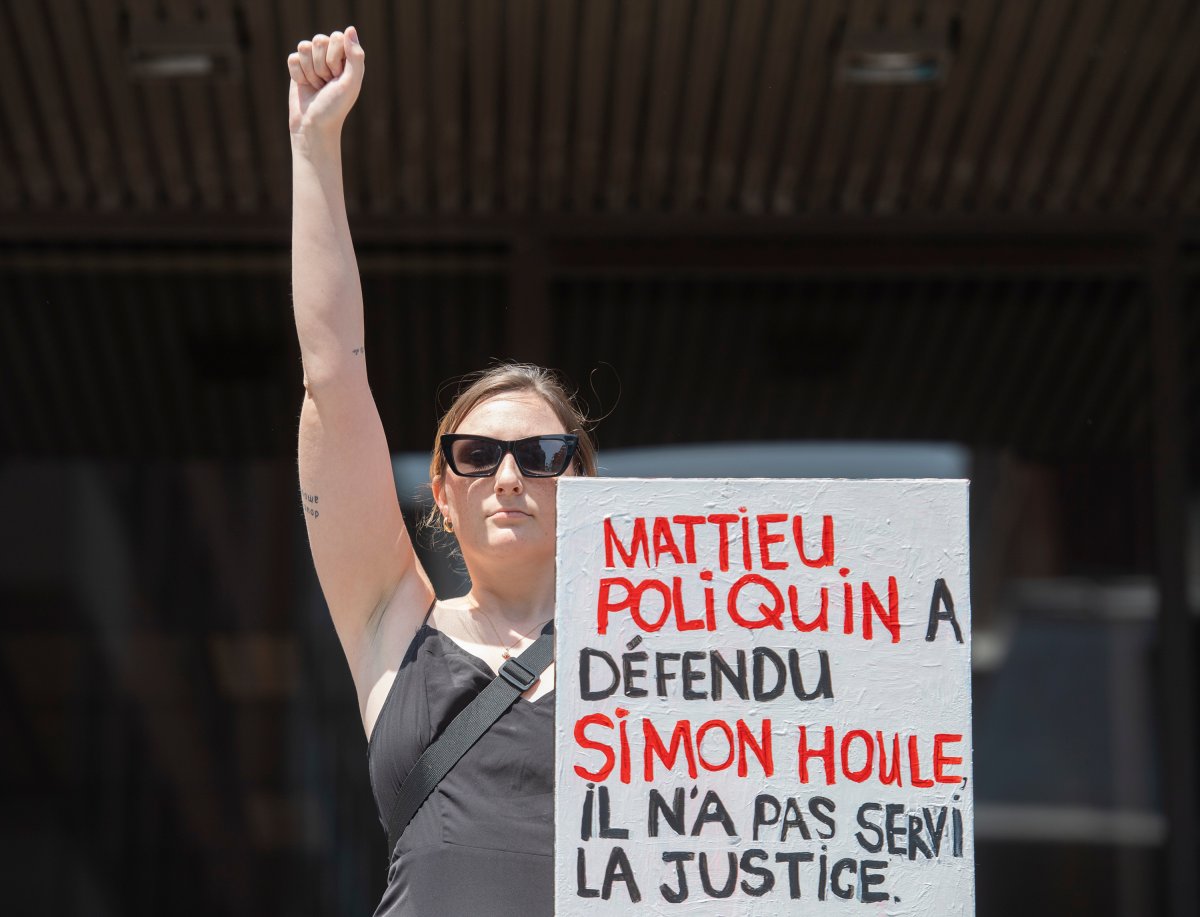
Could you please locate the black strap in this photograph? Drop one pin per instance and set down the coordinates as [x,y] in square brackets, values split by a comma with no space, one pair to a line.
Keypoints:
[516,676]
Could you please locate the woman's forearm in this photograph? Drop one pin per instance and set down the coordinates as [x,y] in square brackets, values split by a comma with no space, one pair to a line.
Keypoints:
[326,290]
[327,75]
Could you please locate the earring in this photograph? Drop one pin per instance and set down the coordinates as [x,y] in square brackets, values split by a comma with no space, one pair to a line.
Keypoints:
[447,525]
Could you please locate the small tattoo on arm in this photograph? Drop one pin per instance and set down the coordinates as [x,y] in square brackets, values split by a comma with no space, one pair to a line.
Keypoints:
[359,351]
[310,501]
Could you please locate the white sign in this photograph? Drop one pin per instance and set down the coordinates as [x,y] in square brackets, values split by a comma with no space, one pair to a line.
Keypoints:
[763,698]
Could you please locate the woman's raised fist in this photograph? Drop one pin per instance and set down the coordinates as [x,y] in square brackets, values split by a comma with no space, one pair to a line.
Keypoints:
[326,75]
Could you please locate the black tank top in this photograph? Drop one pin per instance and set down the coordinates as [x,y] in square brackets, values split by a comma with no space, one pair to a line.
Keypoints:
[483,842]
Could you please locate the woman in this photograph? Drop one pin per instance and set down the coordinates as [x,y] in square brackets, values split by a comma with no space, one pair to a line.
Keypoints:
[483,841]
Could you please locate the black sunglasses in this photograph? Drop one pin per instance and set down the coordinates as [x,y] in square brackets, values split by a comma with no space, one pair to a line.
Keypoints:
[536,456]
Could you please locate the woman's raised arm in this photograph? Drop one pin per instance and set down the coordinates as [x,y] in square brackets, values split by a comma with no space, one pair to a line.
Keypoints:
[359,544]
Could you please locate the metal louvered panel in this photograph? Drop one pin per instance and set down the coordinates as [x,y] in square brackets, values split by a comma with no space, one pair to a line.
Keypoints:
[997,363]
[675,107]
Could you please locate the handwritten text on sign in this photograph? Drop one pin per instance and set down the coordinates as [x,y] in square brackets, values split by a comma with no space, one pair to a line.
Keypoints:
[763,697]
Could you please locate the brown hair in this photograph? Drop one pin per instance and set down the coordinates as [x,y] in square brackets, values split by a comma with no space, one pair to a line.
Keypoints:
[506,378]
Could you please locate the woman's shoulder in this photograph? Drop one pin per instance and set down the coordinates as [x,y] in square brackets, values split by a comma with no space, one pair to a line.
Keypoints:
[455,618]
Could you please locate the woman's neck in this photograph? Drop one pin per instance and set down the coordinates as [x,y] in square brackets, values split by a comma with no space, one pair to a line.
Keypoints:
[515,595]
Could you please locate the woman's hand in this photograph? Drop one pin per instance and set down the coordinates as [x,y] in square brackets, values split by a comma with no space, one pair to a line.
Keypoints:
[327,74]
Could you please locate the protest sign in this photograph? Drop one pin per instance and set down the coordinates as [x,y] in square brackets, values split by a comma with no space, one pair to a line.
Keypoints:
[763,698]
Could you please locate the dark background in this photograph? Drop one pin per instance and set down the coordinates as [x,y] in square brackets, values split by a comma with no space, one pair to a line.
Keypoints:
[702,213]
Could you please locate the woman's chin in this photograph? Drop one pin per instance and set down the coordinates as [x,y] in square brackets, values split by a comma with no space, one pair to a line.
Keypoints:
[518,539]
